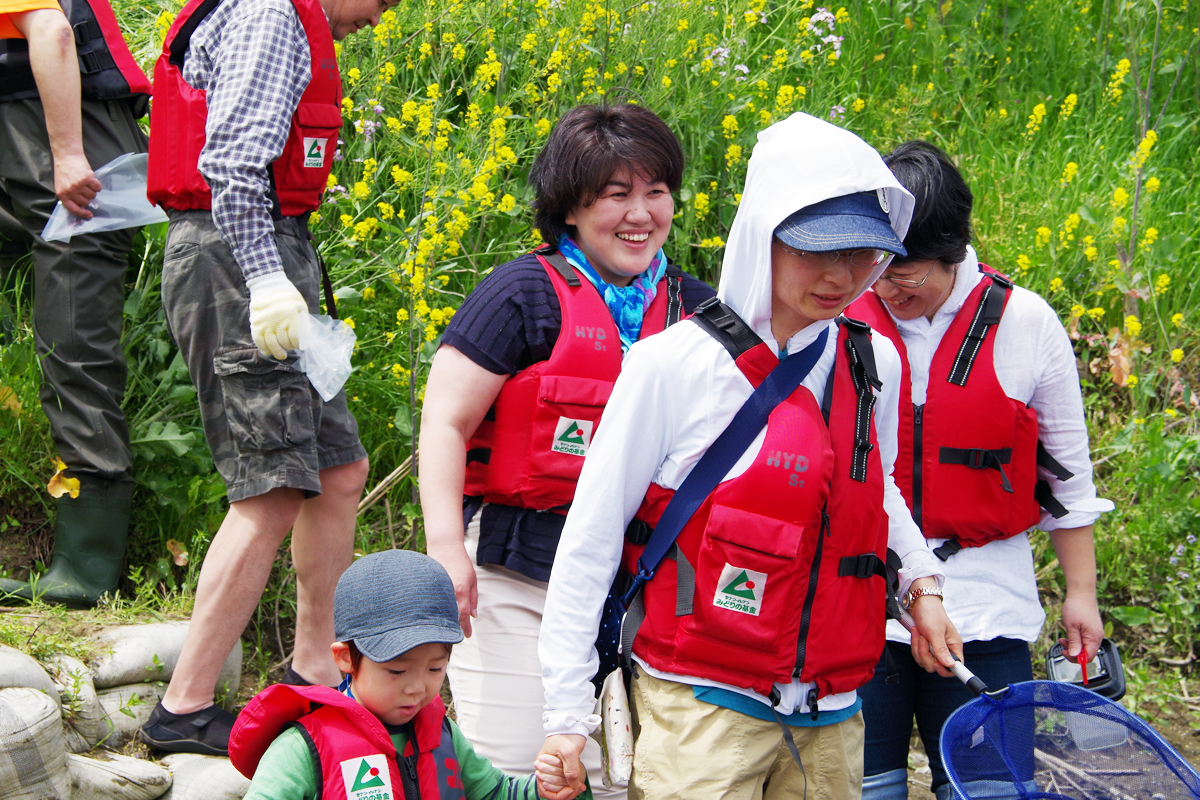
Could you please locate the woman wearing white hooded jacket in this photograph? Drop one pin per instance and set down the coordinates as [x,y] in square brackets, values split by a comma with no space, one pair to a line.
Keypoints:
[788,634]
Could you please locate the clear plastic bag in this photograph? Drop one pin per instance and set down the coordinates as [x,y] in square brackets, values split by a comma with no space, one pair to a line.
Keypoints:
[121,202]
[326,345]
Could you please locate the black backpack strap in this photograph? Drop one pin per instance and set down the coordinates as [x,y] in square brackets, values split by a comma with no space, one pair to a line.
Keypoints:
[560,264]
[724,325]
[183,36]
[1041,491]
[674,294]
[987,314]
[865,377]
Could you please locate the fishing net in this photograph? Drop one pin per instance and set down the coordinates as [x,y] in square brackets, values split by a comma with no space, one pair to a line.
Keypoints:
[1044,739]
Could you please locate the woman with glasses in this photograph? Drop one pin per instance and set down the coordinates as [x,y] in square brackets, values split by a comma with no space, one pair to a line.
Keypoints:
[768,613]
[992,443]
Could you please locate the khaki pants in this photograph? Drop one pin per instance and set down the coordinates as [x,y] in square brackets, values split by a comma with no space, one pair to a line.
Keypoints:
[686,748]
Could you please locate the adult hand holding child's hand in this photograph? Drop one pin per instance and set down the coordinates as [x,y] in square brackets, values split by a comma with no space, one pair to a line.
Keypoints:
[560,775]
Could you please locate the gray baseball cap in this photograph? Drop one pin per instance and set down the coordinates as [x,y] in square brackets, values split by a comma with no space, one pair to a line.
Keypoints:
[390,602]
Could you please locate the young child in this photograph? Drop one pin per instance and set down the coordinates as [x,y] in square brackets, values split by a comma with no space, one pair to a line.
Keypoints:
[395,620]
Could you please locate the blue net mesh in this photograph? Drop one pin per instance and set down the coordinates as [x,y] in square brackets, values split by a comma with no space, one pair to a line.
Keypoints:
[1044,739]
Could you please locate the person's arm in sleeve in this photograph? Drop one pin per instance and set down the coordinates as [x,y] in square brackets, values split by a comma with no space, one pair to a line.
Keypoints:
[935,637]
[629,446]
[1062,429]
[55,66]
[457,396]
[262,70]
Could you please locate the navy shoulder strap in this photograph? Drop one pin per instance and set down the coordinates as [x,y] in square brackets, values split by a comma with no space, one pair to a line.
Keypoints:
[722,454]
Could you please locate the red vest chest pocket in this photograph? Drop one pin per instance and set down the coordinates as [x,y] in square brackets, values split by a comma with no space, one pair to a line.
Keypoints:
[308,155]
[748,585]
[567,415]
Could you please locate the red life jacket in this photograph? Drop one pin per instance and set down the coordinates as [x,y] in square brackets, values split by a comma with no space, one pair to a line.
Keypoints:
[180,112]
[355,749]
[780,573]
[107,70]
[967,459]
[529,449]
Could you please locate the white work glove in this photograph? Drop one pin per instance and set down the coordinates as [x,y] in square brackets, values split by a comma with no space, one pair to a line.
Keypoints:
[277,312]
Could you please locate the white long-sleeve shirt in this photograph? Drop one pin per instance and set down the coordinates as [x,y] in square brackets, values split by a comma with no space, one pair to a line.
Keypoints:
[664,413]
[990,591]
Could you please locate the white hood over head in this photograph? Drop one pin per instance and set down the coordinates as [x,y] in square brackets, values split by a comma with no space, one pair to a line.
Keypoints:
[796,163]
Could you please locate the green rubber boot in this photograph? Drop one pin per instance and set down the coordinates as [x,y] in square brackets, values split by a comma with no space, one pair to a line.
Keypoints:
[89,547]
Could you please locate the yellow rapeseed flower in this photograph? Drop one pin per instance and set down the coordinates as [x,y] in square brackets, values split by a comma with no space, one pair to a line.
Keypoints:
[733,154]
[714,242]
[1177,355]
[1133,326]
[1131,381]
[1177,319]
[666,82]
[1114,91]
[1163,282]
[1068,106]
[360,190]
[1043,236]
[1035,119]
[1152,184]
[1096,313]
[353,75]
[1023,262]
[858,105]
[1055,285]
[1148,239]
[347,220]
[1143,150]
[700,204]
[507,203]
[1077,311]
[1118,225]
[1119,198]
[386,211]
[1069,173]
[1003,113]
[730,126]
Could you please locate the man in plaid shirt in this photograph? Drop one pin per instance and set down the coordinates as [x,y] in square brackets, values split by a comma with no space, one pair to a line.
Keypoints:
[237,281]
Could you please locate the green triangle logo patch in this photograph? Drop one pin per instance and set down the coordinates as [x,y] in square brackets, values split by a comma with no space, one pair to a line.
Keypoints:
[572,435]
[741,586]
[368,777]
[315,150]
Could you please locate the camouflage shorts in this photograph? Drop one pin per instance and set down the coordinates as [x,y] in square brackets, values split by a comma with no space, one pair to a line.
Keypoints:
[266,426]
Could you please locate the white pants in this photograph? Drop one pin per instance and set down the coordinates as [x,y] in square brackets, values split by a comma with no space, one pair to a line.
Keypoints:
[496,678]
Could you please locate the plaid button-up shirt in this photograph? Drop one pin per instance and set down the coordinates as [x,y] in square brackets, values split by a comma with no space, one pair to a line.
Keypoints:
[252,59]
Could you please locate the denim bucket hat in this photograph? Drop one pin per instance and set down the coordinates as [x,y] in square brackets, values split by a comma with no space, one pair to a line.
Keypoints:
[390,602]
[849,222]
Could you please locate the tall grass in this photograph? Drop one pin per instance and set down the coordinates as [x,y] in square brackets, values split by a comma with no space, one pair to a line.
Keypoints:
[1074,123]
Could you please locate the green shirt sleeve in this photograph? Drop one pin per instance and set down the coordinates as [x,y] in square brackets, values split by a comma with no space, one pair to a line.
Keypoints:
[482,781]
[286,771]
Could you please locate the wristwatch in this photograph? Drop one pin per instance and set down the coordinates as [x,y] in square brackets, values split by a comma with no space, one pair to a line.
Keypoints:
[913,594]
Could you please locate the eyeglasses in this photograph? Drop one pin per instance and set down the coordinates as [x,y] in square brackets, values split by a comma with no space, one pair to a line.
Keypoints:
[909,282]
[862,259]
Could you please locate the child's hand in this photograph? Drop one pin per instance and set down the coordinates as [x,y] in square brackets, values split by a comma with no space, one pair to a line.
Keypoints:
[551,780]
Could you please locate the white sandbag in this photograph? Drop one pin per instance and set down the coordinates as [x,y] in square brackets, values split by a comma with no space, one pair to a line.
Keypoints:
[83,716]
[199,777]
[108,776]
[33,756]
[140,653]
[20,670]
[126,708]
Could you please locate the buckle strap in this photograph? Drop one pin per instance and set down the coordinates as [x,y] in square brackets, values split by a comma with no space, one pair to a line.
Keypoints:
[674,296]
[977,458]
[94,61]
[724,325]
[865,566]
[560,264]
[86,31]
[1047,500]
[949,548]
[1051,465]
[480,455]
[864,377]
[987,314]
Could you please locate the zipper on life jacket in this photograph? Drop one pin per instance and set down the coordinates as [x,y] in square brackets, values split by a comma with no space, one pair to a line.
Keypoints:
[408,767]
[806,611]
[918,420]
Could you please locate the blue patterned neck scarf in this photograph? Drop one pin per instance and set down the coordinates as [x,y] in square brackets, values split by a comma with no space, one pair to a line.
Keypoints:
[627,304]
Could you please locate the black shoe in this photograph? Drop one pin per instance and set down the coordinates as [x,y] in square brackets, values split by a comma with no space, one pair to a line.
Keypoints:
[293,678]
[205,731]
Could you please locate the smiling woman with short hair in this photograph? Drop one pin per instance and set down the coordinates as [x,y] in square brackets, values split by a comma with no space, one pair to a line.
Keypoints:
[516,391]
